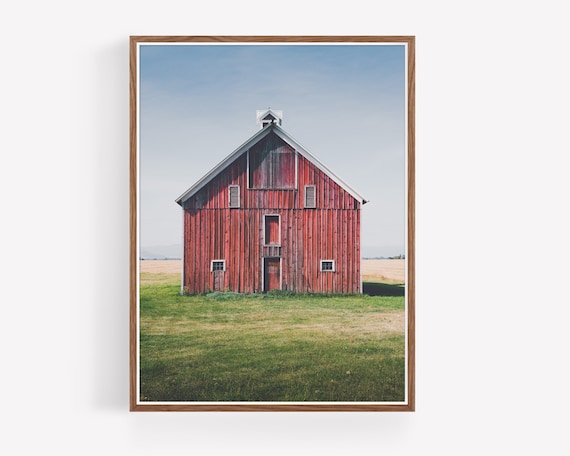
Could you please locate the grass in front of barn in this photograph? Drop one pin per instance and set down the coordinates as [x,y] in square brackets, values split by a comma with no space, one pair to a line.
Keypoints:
[228,347]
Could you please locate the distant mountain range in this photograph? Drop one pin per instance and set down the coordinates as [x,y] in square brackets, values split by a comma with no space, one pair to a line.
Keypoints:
[162,252]
[382,252]
[174,251]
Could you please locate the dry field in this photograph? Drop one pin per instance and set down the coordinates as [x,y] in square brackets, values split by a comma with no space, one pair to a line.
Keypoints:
[161,266]
[384,271]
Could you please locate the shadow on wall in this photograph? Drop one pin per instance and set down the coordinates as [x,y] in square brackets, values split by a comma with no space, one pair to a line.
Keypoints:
[382,289]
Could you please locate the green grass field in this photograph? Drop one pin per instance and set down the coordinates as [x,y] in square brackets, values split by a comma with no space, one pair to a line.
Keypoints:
[228,347]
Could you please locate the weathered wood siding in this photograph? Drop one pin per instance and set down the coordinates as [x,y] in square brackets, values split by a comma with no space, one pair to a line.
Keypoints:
[213,231]
[272,164]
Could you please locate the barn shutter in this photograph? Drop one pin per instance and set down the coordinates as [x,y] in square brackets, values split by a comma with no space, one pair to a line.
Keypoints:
[310,196]
[234,195]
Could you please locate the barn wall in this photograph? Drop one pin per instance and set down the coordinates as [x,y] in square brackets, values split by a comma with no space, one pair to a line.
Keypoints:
[213,231]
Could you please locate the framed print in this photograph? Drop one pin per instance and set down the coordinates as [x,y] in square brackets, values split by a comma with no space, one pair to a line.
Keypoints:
[272,223]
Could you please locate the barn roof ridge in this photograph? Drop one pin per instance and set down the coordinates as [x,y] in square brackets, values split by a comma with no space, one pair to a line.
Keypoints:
[250,142]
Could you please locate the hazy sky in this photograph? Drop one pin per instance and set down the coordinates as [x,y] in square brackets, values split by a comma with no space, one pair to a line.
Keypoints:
[344,103]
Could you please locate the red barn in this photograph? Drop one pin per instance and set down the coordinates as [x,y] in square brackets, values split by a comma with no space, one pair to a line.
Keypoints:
[271,216]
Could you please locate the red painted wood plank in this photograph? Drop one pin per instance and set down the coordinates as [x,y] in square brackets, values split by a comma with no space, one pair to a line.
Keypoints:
[191,253]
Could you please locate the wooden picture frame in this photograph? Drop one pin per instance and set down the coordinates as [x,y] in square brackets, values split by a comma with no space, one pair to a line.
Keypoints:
[301,160]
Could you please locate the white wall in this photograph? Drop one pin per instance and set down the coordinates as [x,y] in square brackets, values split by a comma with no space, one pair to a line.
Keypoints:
[492,224]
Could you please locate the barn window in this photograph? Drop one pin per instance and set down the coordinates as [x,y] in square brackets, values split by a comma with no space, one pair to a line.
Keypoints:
[310,196]
[218,265]
[327,265]
[272,231]
[234,195]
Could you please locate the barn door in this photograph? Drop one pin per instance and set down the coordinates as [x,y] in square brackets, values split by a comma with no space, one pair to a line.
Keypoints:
[271,274]
[219,280]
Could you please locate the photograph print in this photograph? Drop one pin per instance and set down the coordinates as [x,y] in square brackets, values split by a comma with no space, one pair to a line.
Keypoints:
[272,243]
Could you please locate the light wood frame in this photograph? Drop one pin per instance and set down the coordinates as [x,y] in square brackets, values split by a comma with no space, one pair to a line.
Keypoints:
[409,41]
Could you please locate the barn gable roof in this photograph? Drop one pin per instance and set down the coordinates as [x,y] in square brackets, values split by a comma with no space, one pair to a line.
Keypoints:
[252,141]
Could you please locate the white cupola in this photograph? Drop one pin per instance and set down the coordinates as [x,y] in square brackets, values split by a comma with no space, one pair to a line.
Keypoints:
[268,116]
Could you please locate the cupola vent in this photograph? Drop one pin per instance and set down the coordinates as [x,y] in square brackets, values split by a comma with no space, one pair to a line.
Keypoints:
[269,116]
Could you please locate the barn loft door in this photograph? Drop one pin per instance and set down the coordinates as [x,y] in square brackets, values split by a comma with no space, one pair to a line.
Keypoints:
[271,274]
[272,164]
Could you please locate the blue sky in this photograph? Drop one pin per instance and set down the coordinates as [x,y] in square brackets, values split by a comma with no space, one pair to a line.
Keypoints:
[344,103]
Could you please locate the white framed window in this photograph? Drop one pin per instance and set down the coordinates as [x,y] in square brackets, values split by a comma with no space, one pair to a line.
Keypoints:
[272,230]
[327,266]
[310,196]
[233,195]
[218,265]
